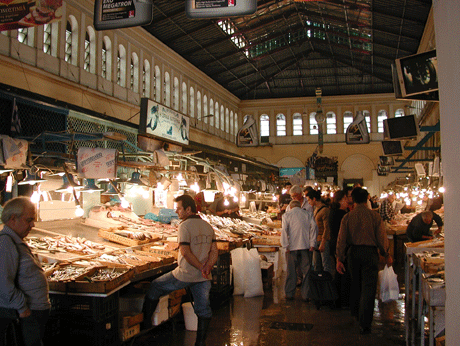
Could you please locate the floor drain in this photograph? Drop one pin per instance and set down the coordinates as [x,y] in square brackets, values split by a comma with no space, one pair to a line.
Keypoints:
[291,326]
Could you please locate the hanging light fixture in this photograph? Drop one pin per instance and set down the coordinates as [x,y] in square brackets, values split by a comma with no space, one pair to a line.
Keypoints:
[5,170]
[136,179]
[112,190]
[31,178]
[90,186]
[68,184]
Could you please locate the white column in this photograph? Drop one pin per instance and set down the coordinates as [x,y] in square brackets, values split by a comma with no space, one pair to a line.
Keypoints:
[447,28]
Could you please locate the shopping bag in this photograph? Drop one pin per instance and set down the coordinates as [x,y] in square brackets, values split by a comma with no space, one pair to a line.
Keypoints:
[389,287]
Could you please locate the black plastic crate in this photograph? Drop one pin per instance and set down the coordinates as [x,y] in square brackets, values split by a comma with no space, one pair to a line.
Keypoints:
[97,308]
[53,331]
[81,330]
[220,280]
[223,262]
[218,298]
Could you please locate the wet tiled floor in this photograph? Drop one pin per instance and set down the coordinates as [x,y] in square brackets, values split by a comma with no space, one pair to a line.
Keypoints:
[271,320]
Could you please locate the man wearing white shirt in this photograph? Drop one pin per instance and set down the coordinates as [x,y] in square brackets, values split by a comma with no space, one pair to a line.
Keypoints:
[297,195]
[298,237]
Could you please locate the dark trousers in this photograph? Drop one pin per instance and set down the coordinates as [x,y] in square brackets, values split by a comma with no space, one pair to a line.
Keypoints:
[363,267]
[32,329]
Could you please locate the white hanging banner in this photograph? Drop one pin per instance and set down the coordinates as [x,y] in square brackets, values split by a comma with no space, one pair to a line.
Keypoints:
[14,152]
[97,163]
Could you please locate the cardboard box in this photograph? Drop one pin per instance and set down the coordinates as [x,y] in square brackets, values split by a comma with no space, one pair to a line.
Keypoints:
[127,333]
[129,319]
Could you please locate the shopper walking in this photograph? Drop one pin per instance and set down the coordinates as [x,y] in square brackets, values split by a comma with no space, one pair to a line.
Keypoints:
[339,208]
[362,231]
[322,257]
[23,285]
[197,256]
[298,237]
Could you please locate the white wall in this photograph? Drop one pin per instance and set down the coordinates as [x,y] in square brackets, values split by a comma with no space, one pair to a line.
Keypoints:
[447,28]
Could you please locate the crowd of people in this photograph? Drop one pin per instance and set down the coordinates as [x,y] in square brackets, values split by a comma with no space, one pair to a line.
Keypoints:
[345,236]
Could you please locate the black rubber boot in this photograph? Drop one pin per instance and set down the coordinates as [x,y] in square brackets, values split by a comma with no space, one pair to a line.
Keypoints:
[148,309]
[203,325]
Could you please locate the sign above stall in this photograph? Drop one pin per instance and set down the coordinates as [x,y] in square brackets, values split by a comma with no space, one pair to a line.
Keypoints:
[163,122]
[15,14]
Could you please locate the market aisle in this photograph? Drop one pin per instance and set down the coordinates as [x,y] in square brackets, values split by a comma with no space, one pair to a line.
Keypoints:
[270,320]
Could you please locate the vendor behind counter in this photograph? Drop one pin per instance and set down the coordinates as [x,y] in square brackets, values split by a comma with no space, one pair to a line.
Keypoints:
[419,227]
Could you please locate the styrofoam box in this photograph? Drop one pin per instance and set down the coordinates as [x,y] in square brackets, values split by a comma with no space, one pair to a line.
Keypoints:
[134,303]
[162,312]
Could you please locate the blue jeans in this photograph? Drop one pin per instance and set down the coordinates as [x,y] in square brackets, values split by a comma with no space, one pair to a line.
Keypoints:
[323,260]
[167,283]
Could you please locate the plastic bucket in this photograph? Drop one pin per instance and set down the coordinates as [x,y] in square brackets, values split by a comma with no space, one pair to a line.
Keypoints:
[190,318]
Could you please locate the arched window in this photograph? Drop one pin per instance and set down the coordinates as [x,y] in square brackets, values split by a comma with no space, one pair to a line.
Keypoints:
[121,66]
[222,118]
[264,126]
[50,38]
[205,109]
[331,123]
[25,35]
[146,79]
[235,119]
[157,84]
[134,73]
[217,115]
[89,63]
[199,113]
[347,120]
[184,97]
[381,116]
[313,124]
[399,113]
[106,55]
[280,125]
[367,116]
[297,124]
[192,102]
[176,91]
[232,124]
[167,90]
[211,111]
[71,41]
[227,120]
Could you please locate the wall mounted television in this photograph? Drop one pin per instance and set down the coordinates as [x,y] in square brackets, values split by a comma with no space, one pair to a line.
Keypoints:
[418,73]
[400,127]
[392,148]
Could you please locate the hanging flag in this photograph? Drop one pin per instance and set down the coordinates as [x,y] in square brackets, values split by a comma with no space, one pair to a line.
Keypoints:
[16,128]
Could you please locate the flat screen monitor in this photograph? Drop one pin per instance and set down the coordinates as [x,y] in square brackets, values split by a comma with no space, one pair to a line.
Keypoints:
[418,73]
[203,9]
[392,148]
[400,127]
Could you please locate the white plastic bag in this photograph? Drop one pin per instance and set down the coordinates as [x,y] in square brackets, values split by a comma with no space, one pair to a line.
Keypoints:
[238,270]
[389,287]
[253,286]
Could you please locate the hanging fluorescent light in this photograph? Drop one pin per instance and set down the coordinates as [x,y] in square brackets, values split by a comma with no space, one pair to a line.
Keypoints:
[5,170]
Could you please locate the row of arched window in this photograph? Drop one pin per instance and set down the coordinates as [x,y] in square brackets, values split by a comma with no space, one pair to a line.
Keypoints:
[330,123]
[152,84]
[172,93]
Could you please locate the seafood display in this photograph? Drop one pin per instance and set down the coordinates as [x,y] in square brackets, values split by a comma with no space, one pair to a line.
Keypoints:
[106,274]
[67,273]
[50,245]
